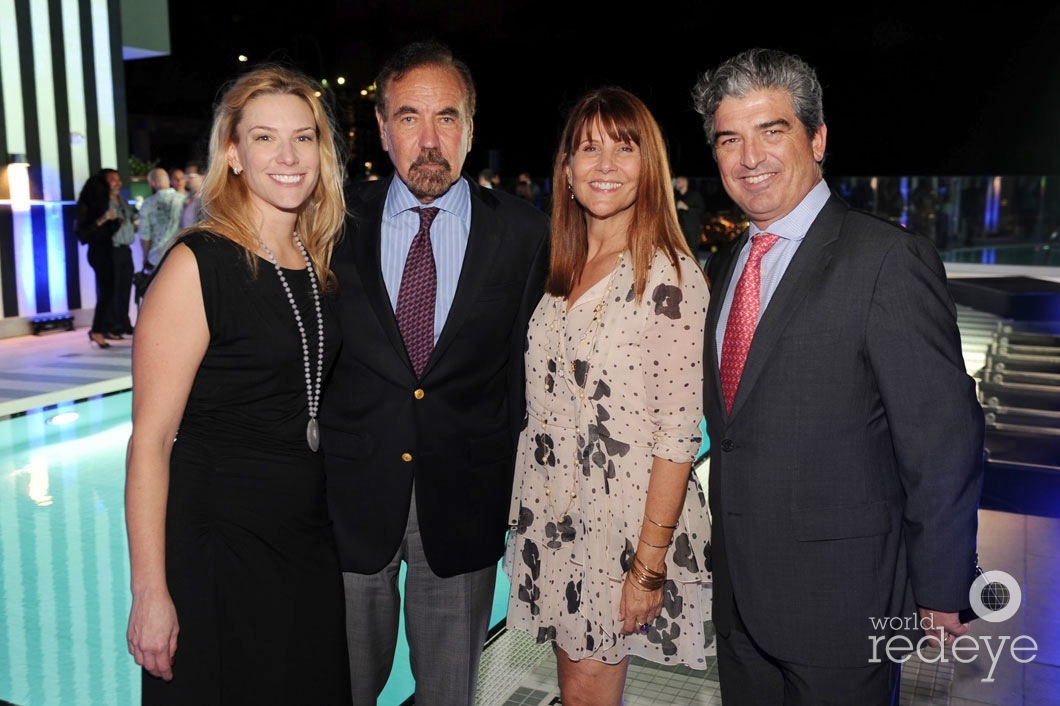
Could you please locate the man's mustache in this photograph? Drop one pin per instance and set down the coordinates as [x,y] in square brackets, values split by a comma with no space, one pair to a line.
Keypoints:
[433,159]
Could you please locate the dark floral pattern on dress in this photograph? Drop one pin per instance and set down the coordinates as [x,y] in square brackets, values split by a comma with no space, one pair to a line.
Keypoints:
[602,391]
[546,634]
[700,495]
[683,554]
[529,593]
[613,447]
[532,558]
[625,560]
[667,300]
[574,596]
[526,518]
[672,603]
[665,634]
[559,532]
[528,590]
[543,453]
[581,371]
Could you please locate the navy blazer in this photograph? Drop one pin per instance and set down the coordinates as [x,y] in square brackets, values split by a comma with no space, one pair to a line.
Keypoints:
[845,483]
[453,431]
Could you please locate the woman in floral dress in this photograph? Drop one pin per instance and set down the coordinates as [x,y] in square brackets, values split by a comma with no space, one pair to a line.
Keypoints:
[607,551]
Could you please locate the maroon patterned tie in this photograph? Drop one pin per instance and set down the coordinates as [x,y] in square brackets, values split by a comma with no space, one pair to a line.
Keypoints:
[415,304]
[743,318]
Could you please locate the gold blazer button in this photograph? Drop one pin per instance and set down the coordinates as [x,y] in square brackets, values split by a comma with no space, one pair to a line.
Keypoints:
[418,394]
[406,457]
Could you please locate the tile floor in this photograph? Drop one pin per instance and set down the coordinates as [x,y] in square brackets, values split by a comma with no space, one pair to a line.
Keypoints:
[517,672]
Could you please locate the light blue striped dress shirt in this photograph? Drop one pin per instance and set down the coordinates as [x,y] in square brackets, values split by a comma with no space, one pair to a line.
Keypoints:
[791,229]
[449,234]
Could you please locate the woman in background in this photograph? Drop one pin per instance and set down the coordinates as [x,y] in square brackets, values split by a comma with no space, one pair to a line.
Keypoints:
[122,241]
[95,222]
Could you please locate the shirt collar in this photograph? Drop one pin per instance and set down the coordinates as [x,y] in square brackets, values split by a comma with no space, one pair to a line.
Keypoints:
[456,201]
[794,225]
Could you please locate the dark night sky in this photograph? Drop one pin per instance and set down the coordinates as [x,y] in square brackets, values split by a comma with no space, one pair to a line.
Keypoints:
[905,93]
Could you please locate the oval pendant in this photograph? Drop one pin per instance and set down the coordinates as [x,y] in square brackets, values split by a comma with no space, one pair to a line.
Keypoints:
[312,434]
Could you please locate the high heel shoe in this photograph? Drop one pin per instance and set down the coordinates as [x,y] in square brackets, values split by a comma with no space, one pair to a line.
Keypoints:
[98,339]
[113,336]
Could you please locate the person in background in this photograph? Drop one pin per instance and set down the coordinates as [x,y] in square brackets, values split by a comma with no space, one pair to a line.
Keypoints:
[691,212]
[421,415]
[179,181]
[609,527]
[192,210]
[95,223]
[846,436]
[159,218]
[123,238]
[527,188]
[485,178]
[236,590]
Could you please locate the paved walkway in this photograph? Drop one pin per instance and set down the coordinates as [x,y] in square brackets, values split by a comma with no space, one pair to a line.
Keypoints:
[37,371]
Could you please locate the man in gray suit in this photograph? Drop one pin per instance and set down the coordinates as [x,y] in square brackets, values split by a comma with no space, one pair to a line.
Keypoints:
[847,440]
[419,422]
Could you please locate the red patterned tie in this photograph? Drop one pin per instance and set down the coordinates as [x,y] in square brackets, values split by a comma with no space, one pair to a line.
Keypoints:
[743,317]
[415,304]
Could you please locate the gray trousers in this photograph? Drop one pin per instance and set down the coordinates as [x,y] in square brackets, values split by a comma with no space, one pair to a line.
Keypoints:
[446,621]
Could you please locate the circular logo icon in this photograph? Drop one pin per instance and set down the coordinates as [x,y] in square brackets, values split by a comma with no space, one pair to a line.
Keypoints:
[995,596]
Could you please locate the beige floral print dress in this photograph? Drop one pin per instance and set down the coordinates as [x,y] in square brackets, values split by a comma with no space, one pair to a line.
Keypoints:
[610,384]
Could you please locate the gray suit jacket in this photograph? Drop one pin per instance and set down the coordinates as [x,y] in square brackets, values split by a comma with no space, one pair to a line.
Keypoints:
[844,485]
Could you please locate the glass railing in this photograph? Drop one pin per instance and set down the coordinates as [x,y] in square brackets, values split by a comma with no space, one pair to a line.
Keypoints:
[1011,219]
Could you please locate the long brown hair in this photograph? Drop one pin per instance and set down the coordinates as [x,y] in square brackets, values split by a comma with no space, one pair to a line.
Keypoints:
[653,227]
[226,201]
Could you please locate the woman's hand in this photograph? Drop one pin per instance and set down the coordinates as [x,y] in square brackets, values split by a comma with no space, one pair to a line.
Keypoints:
[152,633]
[638,607]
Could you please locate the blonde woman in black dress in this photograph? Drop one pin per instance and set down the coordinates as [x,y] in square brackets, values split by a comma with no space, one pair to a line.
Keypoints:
[237,593]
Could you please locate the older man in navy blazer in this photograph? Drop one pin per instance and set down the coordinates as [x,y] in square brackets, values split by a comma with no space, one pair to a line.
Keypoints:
[419,425]
[847,441]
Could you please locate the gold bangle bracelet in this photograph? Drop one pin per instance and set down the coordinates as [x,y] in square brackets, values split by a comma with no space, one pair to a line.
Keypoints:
[644,584]
[656,546]
[647,579]
[642,567]
[669,527]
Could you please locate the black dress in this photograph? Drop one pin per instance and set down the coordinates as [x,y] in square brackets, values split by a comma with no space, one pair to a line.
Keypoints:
[250,554]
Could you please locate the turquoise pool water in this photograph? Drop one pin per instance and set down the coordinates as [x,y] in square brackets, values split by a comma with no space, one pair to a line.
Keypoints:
[64,588]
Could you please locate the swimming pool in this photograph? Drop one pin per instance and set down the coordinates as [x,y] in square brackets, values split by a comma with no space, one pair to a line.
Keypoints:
[64,588]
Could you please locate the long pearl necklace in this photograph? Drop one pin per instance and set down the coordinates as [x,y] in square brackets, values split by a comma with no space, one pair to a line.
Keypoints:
[312,389]
[578,370]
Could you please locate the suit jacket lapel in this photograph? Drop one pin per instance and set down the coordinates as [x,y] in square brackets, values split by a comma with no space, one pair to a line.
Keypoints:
[482,244]
[806,268]
[367,254]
